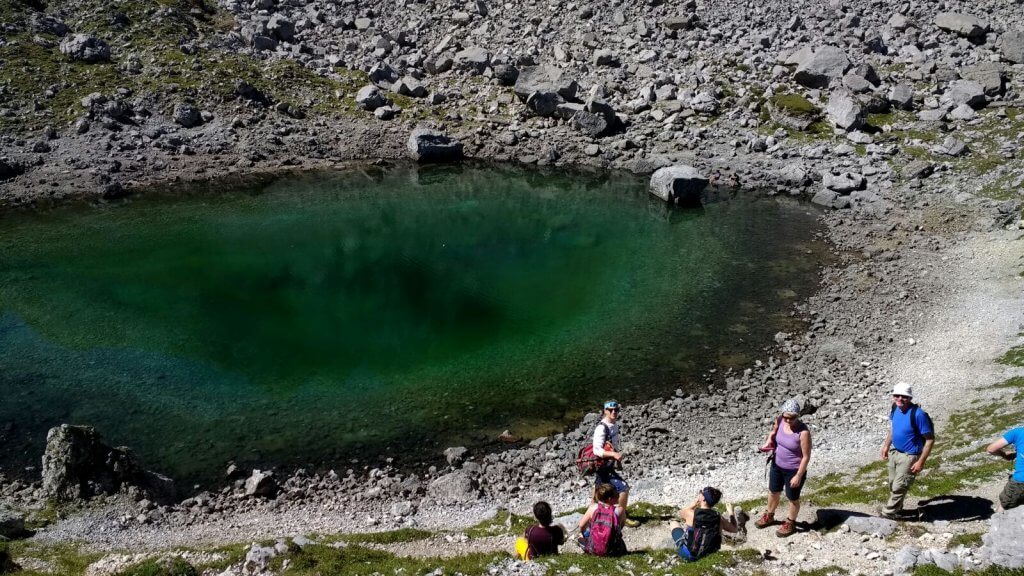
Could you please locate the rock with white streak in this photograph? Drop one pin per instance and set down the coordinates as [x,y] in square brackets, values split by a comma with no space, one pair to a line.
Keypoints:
[680,184]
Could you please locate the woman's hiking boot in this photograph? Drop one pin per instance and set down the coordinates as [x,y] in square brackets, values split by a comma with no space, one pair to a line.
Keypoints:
[788,528]
[765,520]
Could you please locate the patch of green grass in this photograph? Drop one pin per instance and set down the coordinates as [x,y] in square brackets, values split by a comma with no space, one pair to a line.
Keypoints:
[390,537]
[793,104]
[353,560]
[66,558]
[641,561]
[824,571]
[933,570]
[503,523]
[1013,357]
[646,512]
[969,540]
[172,566]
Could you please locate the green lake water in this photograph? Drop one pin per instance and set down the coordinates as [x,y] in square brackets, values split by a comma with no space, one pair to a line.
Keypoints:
[321,319]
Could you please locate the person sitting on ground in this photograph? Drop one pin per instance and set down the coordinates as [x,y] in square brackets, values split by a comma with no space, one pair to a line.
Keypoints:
[790,444]
[701,533]
[608,445]
[906,447]
[543,538]
[1013,493]
[600,527]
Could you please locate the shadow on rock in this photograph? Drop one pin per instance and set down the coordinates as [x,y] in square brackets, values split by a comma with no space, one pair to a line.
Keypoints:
[828,518]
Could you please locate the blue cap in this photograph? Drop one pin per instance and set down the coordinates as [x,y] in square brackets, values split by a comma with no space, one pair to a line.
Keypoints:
[611,404]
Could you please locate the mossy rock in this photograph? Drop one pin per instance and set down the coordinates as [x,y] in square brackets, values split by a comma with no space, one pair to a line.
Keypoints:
[793,111]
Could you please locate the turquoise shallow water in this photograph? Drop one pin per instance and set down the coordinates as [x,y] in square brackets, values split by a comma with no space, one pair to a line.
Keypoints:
[377,313]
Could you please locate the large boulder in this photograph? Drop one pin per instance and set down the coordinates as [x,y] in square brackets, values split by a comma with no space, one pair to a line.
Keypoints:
[282,28]
[1011,46]
[427,145]
[965,25]
[544,87]
[12,524]
[871,525]
[988,74]
[85,48]
[187,115]
[678,184]
[473,59]
[369,98]
[823,66]
[454,488]
[1002,544]
[78,465]
[261,484]
[965,92]
[844,111]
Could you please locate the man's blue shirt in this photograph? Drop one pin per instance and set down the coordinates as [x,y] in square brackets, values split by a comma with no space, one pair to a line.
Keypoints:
[1014,437]
[903,437]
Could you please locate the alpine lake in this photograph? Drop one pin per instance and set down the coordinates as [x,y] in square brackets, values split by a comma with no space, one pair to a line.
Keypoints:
[336,319]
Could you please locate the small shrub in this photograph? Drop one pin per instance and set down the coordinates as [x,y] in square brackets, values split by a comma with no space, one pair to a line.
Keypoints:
[173,566]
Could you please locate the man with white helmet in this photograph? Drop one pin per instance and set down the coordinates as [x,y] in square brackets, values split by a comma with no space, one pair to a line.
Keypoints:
[906,447]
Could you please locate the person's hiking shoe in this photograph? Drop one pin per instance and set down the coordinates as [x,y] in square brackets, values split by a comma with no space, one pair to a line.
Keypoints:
[632,523]
[788,528]
[764,521]
[882,513]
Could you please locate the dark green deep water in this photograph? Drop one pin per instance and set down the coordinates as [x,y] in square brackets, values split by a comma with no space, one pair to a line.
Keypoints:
[325,318]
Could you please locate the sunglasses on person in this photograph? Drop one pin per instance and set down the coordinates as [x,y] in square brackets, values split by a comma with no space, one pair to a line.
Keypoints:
[901,396]
[789,418]
[616,410]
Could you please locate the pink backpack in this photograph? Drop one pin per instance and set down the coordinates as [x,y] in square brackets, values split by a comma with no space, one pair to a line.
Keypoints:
[605,533]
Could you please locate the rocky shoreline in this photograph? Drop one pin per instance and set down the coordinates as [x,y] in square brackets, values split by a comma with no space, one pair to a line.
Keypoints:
[907,122]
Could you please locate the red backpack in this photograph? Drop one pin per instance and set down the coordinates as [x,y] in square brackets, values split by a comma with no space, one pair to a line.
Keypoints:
[605,533]
[587,462]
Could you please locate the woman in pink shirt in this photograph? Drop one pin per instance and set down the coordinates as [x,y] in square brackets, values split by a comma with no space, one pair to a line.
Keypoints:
[790,443]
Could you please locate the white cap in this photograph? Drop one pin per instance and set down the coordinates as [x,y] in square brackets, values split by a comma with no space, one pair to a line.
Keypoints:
[903,389]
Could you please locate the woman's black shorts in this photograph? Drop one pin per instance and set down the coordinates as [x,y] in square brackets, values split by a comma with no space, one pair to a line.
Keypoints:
[779,478]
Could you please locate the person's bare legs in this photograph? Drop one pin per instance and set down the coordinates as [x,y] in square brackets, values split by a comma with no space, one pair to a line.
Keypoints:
[773,502]
[794,509]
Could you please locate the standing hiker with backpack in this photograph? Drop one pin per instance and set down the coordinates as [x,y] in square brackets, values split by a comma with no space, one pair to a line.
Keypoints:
[600,526]
[607,445]
[790,445]
[906,447]
[702,533]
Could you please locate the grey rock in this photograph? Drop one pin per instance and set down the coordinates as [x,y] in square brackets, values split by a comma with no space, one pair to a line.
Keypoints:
[257,559]
[965,25]
[427,145]
[824,66]
[988,74]
[918,169]
[825,197]
[187,115]
[85,48]
[963,112]
[12,524]
[251,93]
[455,455]
[409,86]
[605,57]
[261,484]
[78,465]
[871,525]
[403,509]
[456,487]
[952,147]
[382,74]
[1001,544]
[505,74]
[474,59]
[545,79]
[47,24]
[261,43]
[844,183]
[906,559]
[856,83]
[965,92]
[902,96]
[844,112]
[704,102]
[1011,46]
[674,23]
[282,28]
[370,98]
[679,184]
[590,123]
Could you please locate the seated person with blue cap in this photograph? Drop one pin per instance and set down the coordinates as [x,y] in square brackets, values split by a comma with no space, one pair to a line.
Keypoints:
[702,533]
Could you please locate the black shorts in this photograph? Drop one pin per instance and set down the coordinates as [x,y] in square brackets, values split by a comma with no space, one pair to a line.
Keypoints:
[779,478]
